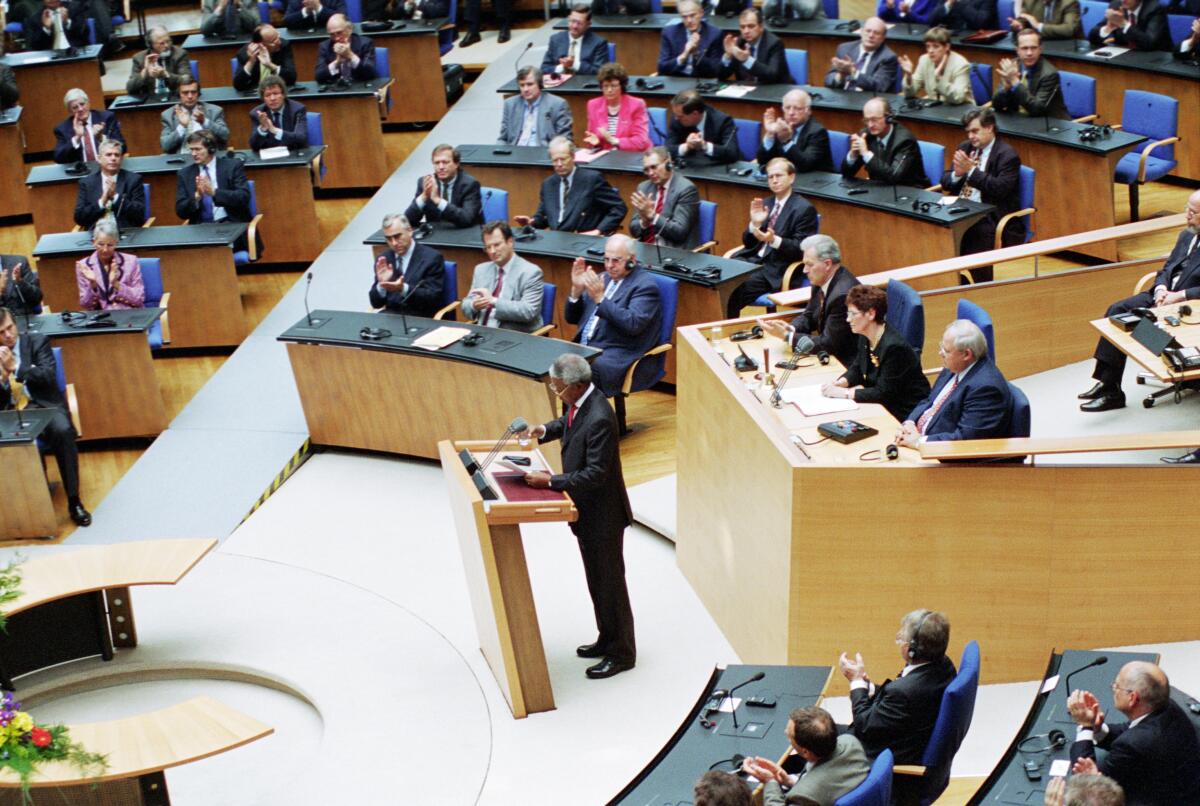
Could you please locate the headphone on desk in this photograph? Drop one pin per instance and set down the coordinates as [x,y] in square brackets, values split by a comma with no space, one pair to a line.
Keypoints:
[1091,134]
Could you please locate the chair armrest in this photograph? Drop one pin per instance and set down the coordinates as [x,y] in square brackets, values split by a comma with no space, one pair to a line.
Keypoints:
[787,275]
[149,222]
[251,243]
[935,188]
[732,252]
[908,769]
[931,373]
[706,247]
[164,319]
[1144,282]
[1085,119]
[1146,155]
[315,170]
[448,309]
[543,330]
[382,95]
[73,407]
[1029,211]
[76,228]
[628,383]
[1116,125]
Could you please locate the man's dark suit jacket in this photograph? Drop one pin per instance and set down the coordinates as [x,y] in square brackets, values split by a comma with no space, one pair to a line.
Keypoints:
[706,60]
[1189,280]
[593,53]
[64,133]
[809,152]
[828,318]
[592,203]
[430,9]
[879,77]
[362,46]
[293,122]
[903,711]
[634,8]
[177,64]
[129,208]
[1150,32]
[770,65]
[29,294]
[9,93]
[719,129]
[980,408]
[293,16]
[283,57]
[38,372]
[1043,97]
[426,266]
[233,191]
[797,221]
[630,324]
[1157,763]
[966,15]
[899,164]
[999,184]
[36,37]
[464,208]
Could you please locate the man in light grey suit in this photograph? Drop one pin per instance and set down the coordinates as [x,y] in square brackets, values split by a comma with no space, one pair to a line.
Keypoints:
[506,292]
[667,205]
[833,765]
[533,118]
[867,65]
[191,115]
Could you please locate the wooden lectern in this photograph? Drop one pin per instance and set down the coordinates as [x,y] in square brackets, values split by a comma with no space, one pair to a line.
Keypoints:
[489,534]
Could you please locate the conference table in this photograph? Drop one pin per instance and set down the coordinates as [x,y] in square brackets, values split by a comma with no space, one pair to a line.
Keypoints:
[412,53]
[637,40]
[112,371]
[197,270]
[350,366]
[43,78]
[854,211]
[283,188]
[349,117]
[28,510]
[1185,335]
[12,163]
[1070,169]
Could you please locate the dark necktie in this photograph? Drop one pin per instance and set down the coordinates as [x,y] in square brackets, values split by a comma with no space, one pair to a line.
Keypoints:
[206,201]
[89,147]
[276,118]
[562,207]
[571,415]
[1132,18]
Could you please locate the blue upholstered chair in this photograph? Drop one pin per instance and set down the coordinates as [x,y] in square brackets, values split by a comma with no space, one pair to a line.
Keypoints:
[243,256]
[495,204]
[708,226]
[797,62]
[972,312]
[668,293]
[159,332]
[906,313]
[1079,94]
[748,136]
[1155,117]
[981,82]
[876,790]
[839,147]
[658,125]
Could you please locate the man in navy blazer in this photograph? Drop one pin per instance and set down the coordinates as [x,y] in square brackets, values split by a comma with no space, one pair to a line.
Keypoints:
[78,137]
[691,48]
[408,276]
[696,128]
[277,121]
[1177,281]
[111,190]
[447,195]
[1137,24]
[212,189]
[757,55]
[1155,756]
[622,315]
[345,54]
[867,65]
[311,14]
[575,199]
[576,50]
[796,135]
[969,400]
[824,318]
[39,26]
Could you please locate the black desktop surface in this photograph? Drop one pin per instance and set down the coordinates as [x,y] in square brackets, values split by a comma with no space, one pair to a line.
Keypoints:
[32,58]
[172,237]
[58,325]
[51,174]
[410,28]
[228,95]
[18,427]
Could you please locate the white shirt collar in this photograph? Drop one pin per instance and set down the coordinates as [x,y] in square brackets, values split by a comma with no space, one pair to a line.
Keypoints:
[584,396]
[904,672]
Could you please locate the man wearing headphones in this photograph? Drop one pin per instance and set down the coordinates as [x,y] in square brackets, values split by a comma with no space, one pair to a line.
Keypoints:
[160,67]
[889,150]
[900,714]
[212,189]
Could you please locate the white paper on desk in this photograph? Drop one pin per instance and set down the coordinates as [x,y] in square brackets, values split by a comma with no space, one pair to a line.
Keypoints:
[1060,767]
[273,153]
[36,60]
[812,403]
[734,91]
[1108,52]
[1050,684]
[946,201]
[729,704]
[441,337]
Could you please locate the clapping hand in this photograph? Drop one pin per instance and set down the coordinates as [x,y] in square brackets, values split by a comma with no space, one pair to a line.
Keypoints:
[383,272]
[693,44]
[733,51]
[774,327]
[964,163]
[858,145]
[482,299]
[908,435]
[843,66]
[579,269]
[428,187]
[182,116]
[905,64]
[643,204]
[594,285]
[203,185]
[1085,709]
[852,669]
[758,212]
[86,272]
[764,770]
[694,142]
[1114,17]
[265,123]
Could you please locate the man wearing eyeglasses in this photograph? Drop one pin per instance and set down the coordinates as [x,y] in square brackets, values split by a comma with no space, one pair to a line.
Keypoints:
[666,206]
[795,135]
[1155,756]
[889,150]
[692,47]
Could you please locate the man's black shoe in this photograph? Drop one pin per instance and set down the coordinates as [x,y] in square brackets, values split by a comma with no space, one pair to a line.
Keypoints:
[469,39]
[1108,402]
[590,650]
[504,36]
[1192,458]
[80,515]
[607,668]
[1099,390]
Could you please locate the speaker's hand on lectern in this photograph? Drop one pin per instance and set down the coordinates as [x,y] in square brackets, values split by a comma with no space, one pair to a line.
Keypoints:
[538,479]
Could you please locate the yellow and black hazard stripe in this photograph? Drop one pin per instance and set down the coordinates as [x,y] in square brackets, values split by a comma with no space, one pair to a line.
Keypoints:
[299,458]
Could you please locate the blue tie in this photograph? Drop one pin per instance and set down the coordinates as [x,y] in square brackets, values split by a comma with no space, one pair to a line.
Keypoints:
[206,202]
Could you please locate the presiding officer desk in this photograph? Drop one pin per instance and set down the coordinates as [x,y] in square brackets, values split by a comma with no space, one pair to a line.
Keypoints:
[283,188]
[856,221]
[348,384]
[1154,71]
[43,77]
[12,163]
[1068,169]
[813,527]
[349,117]
[413,55]
[197,270]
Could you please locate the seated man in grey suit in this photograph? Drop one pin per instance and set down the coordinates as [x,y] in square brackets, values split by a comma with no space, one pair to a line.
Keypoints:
[507,291]
[667,204]
[191,115]
[533,118]
[867,65]
[834,764]
[160,67]
[575,199]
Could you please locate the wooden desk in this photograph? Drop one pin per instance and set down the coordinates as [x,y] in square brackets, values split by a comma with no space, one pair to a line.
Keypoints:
[284,189]
[28,510]
[139,749]
[43,81]
[197,268]
[350,118]
[1032,446]
[999,562]
[1187,335]
[12,163]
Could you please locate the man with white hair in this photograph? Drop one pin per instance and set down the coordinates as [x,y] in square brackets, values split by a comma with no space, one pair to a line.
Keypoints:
[1084,790]
[77,139]
[160,67]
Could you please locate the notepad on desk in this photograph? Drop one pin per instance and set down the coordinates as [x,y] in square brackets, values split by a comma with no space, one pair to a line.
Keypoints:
[812,403]
[273,153]
[441,337]
[734,91]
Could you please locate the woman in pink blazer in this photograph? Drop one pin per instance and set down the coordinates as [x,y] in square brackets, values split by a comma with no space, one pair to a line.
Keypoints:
[617,120]
[108,278]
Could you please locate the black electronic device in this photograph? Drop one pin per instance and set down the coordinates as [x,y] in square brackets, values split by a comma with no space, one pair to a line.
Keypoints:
[1152,337]
[472,339]
[1033,771]
[736,171]
[501,151]
[856,191]
[374,333]
[1182,359]
[523,461]
[959,209]
[744,363]
[760,702]
[1172,320]
[846,431]
[755,332]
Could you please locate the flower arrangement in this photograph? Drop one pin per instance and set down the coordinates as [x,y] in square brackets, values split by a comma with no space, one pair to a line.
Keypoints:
[24,745]
[10,584]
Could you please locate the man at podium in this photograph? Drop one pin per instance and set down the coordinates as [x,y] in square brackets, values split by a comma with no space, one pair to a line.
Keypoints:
[592,476]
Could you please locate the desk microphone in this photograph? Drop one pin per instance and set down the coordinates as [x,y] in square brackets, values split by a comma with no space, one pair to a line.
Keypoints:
[515,427]
[1100,661]
[404,303]
[308,313]
[729,694]
[521,55]
[1048,100]
[803,346]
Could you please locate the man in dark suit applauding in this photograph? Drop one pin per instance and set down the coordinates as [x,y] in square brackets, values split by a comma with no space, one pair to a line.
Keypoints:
[311,14]
[777,227]
[667,205]
[1029,85]
[277,121]
[986,169]
[1177,281]
[889,150]
[111,191]
[1137,24]
[795,135]
[867,65]
[576,50]
[757,55]
[20,288]
[408,275]
[78,137]
[699,129]
[267,54]
[448,194]
[824,318]
[1155,756]
[29,377]
[160,67]
[691,47]
[345,56]
[965,15]
[591,461]
[575,199]
[39,25]
[900,714]
[211,189]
